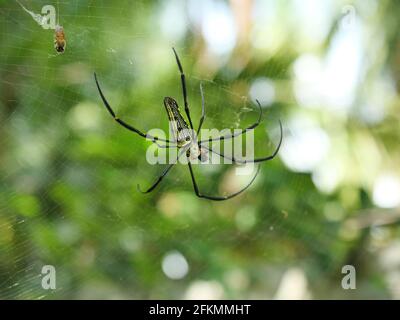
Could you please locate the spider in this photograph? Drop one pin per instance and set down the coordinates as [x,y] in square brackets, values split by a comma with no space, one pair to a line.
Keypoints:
[185,138]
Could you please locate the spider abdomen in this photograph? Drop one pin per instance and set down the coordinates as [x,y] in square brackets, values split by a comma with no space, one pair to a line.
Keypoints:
[179,127]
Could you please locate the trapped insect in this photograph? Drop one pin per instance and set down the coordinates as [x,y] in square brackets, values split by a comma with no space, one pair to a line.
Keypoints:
[60,42]
[59,39]
[185,138]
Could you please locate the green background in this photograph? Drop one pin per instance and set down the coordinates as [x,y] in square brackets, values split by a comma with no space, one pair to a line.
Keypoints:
[68,173]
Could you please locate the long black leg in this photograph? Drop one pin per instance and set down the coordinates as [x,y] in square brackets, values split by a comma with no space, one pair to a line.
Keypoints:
[163,174]
[159,179]
[203,111]
[217,198]
[183,81]
[124,124]
[241,161]
[233,135]
[166,146]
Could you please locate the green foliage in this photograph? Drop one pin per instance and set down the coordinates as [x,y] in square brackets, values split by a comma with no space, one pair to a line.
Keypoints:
[68,181]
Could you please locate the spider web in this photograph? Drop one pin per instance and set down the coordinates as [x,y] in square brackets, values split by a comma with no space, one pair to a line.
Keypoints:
[69,173]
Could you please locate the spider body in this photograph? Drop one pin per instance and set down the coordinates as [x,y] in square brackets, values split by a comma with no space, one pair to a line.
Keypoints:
[181,133]
[185,138]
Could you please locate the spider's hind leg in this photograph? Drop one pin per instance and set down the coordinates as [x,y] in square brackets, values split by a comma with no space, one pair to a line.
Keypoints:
[218,198]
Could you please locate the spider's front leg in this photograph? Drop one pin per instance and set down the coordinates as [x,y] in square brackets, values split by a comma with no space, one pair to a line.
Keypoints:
[255,160]
[184,90]
[126,125]
[233,135]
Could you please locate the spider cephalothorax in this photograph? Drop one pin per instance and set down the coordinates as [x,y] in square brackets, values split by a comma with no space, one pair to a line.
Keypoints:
[196,152]
[185,138]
